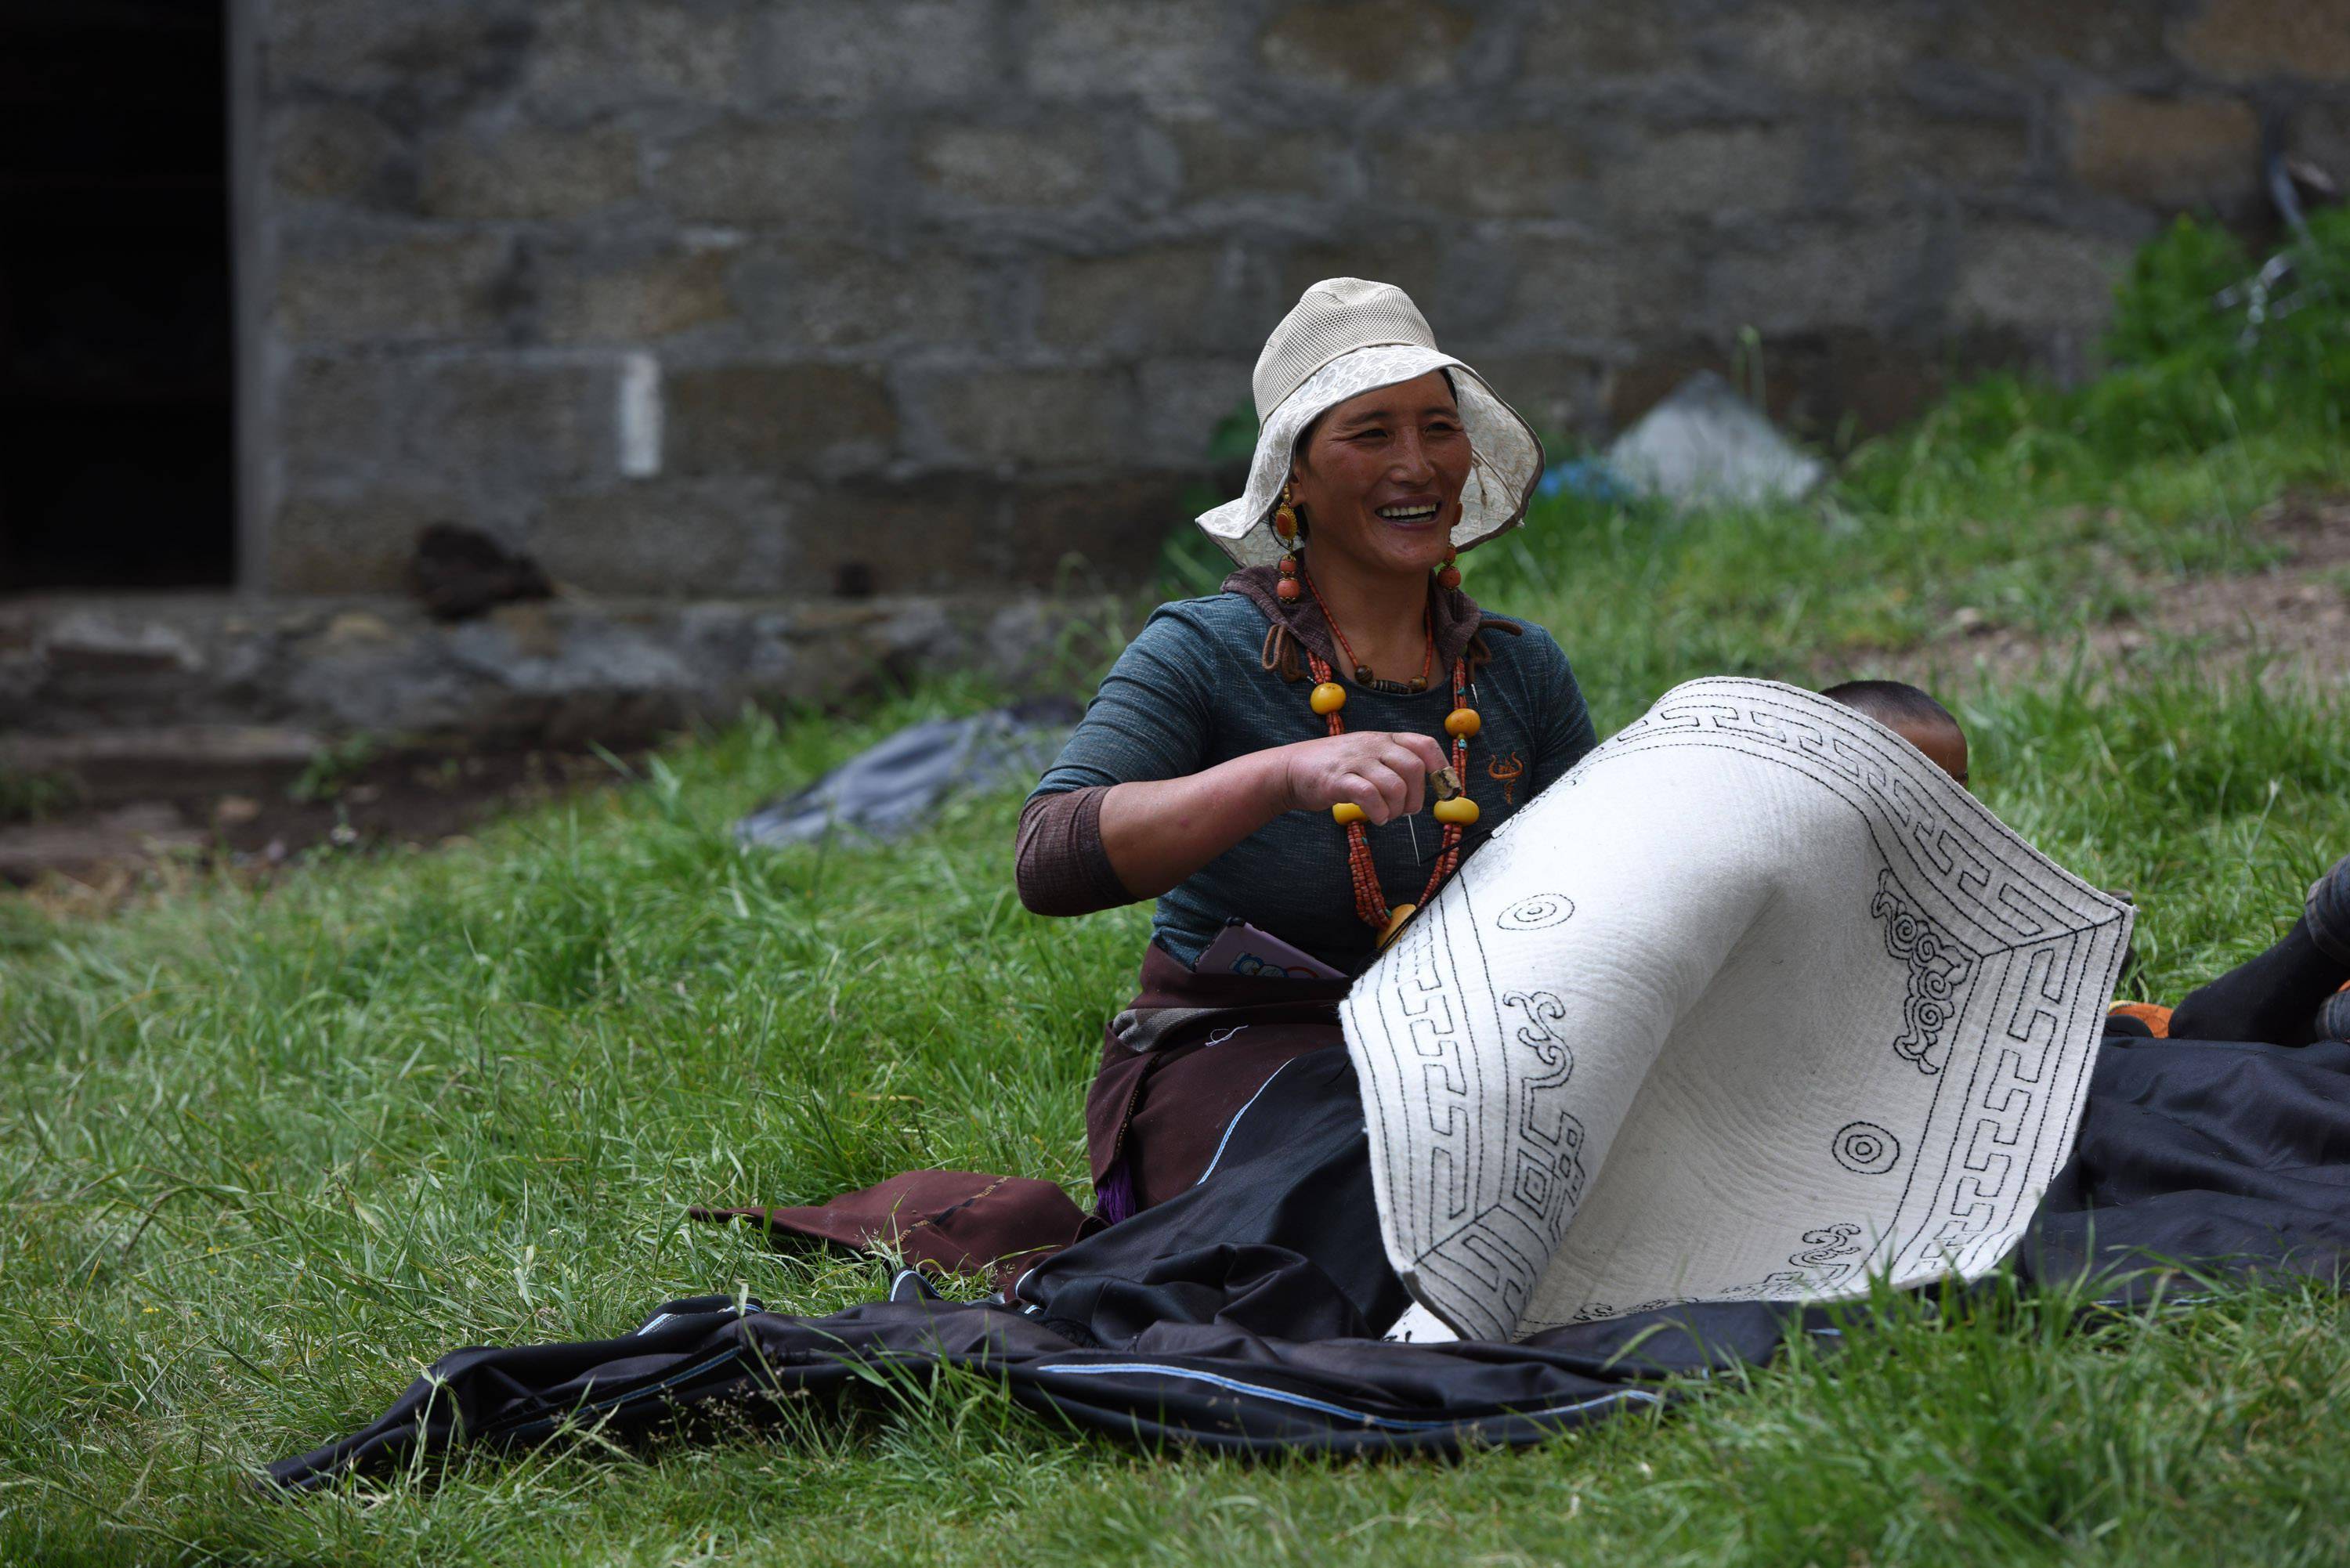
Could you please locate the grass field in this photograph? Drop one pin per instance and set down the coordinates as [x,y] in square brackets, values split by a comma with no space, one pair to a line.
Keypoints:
[264,1153]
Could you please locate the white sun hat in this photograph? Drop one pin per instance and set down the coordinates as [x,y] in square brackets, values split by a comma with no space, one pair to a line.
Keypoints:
[1344,338]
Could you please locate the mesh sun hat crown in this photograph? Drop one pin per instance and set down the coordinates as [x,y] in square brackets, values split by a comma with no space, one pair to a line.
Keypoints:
[1345,336]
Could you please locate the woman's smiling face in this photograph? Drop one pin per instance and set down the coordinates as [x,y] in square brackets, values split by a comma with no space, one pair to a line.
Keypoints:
[1378,477]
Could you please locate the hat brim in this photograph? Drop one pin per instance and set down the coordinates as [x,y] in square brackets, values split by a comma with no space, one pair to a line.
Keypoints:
[1506,458]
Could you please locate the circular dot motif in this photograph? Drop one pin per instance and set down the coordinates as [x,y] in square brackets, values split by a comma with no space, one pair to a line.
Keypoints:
[1532,914]
[1866,1149]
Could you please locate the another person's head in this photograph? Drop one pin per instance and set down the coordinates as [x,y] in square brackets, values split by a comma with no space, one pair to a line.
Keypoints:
[1911,714]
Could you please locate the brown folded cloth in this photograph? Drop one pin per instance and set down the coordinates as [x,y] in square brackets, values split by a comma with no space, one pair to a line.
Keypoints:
[945,1221]
[1177,1065]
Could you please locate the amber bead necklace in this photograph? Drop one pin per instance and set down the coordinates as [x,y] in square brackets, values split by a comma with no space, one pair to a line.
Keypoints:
[1453,808]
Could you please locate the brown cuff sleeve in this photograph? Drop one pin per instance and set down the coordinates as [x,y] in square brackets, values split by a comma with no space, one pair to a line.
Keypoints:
[1058,862]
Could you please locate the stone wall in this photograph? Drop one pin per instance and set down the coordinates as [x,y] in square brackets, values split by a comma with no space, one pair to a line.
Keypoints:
[806,297]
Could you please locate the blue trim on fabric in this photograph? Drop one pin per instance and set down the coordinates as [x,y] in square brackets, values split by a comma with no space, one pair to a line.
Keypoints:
[1216,1158]
[1303,1402]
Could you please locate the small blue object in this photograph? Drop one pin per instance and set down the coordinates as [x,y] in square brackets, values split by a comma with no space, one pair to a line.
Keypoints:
[888,790]
[1589,477]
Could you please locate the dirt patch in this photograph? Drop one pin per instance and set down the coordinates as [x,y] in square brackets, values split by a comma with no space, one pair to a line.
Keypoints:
[256,804]
[2294,615]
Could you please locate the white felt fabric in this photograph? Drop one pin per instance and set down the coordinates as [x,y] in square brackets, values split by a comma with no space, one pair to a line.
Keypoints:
[1756,1004]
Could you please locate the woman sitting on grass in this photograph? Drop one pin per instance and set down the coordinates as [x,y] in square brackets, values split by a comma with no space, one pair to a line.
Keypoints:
[1264,762]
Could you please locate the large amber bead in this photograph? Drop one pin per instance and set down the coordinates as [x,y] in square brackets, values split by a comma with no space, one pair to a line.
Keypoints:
[1463,723]
[1345,811]
[1459,811]
[1328,697]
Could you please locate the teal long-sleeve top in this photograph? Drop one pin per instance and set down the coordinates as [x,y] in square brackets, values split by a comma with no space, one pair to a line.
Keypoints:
[1191,691]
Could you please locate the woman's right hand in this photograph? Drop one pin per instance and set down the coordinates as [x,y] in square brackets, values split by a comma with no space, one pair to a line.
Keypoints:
[1384,773]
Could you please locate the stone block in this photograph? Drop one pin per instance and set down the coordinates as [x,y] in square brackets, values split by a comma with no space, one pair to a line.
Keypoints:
[1896,157]
[1184,399]
[1164,52]
[338,152]
[1820,384]
[1407,255]
[879,53]
[1575,291]
[934,534]
[771,419]
[1557,393]
[2320,133]
[410,289]
[499,425]
[354,545]
[1867,276]
[334,419]
[529,172]
[728,537]
[2167,152]
[92,642]
[1740,170]
[1218,159]
[2250,40]
[435,56]
[741,171]
[1522,171]
[1581,43]
[1882,384]
[1099,533]
[1147,302]
[2028,278]
[1825,49]
[2035,37]
[597,55]
[1350,44]
[839,296]
[1003,166]
[1040,417]
[590,296]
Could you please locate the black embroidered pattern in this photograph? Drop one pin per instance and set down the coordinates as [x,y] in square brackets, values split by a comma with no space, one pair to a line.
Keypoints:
[1826,1244]
[1939,967]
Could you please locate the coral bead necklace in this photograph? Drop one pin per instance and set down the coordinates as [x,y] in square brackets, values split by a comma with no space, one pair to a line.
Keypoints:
[1453,808]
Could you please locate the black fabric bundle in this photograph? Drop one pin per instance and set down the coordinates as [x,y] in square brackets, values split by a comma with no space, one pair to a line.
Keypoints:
[1240,1315]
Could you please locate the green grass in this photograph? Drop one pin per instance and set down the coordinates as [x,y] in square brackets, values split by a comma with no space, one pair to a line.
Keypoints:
[264,1153]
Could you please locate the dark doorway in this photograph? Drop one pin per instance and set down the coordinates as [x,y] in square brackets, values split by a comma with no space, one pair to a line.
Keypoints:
[117,460]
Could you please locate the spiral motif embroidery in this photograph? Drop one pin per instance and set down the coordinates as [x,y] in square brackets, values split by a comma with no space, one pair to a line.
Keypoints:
[1826,1244]
[1939,967]
[1866,1149]
[1532,914]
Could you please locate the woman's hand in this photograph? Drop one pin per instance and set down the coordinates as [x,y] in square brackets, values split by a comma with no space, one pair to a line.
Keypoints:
[1384,773]
[1158,832]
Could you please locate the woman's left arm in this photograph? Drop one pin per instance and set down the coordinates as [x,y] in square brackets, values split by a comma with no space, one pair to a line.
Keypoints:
[1565,727]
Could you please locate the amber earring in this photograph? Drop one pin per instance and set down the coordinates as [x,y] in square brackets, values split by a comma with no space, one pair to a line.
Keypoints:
[1284,528]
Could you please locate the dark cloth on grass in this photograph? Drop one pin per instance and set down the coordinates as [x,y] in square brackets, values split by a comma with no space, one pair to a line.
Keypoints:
[2273,996]
[1237,1315]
